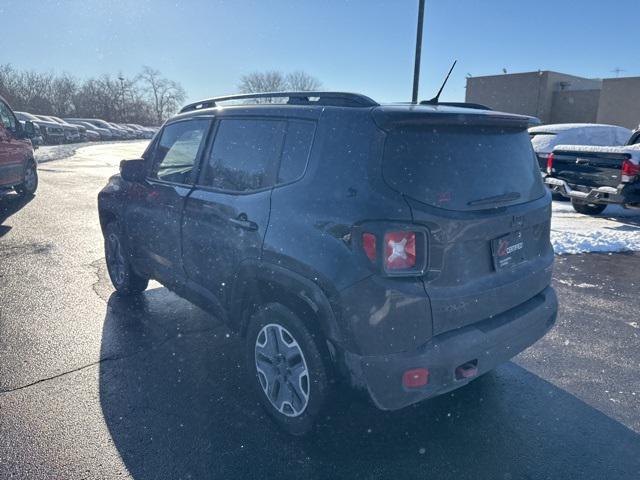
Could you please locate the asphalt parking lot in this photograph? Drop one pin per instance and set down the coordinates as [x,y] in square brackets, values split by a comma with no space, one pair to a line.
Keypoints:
[92,386]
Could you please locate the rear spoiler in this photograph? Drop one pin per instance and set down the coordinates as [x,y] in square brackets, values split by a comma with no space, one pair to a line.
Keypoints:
[391,116]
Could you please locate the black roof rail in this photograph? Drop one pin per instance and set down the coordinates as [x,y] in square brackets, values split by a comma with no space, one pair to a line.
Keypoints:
[337,99]
[475,106]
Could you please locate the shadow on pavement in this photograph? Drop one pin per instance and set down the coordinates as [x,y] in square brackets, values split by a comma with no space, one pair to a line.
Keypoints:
[173,394]
[10,204]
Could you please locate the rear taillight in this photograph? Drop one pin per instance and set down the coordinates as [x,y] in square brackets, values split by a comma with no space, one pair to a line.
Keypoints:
[399,250]
[369,245]
[629,171]
[550,164]
[394,251]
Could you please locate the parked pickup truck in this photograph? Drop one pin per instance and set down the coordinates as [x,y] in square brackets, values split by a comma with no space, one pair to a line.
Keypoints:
[593,177]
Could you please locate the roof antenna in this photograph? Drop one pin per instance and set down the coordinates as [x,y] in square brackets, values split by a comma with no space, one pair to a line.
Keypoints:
[436,99]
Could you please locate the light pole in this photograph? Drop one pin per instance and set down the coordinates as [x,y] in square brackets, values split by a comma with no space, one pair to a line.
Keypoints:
[416,67]
[124,113]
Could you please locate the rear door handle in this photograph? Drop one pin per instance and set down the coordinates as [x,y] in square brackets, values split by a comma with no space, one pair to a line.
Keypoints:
[243,222]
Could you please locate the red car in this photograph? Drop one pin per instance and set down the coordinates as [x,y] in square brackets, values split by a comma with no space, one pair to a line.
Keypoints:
[18,167]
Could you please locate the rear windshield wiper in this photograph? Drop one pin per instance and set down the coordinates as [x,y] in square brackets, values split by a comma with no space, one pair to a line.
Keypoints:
[506,197]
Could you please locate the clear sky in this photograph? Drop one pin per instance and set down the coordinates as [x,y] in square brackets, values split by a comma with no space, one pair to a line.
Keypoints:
[365,46]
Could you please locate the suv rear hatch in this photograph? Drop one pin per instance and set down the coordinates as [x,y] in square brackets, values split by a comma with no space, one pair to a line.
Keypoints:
[589,166]
[473,181]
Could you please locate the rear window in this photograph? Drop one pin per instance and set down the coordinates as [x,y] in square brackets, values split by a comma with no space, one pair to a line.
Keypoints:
[462,168]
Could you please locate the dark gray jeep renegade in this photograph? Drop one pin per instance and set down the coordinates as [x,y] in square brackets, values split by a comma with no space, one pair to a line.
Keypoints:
[401,248]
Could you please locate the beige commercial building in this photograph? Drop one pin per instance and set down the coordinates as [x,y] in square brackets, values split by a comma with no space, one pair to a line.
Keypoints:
[560,98]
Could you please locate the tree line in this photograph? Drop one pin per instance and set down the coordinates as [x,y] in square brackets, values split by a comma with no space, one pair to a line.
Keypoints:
[147,98]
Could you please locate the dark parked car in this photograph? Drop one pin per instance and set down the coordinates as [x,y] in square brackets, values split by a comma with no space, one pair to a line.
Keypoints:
[116,134]
[82,130]
[71,133]
[343,239]
[594,177]
[52,132]
[143,132]
[37,139]
[18,167]
[103,133]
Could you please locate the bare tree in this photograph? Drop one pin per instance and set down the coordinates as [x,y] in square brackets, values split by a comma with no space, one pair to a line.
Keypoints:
[63,91]
[274,81]
[144,99]
[166,95]
[303,82]
[259,82]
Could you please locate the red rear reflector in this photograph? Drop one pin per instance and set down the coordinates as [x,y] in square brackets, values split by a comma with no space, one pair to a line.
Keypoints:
[399,250]
[369,245]
[629,171]
[550,163]
[417,377]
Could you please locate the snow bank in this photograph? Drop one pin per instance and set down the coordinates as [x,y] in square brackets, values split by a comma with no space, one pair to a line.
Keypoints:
[56,152]
[596,241]
[616,230]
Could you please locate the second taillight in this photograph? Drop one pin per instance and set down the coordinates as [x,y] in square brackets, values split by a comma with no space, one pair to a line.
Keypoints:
[399,250]
[550,163]
[629,171]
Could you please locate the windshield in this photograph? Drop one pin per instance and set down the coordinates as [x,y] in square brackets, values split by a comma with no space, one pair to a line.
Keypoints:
[291,240]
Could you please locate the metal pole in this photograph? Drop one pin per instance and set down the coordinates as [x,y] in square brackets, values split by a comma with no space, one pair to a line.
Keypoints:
[124,113]
[416,67]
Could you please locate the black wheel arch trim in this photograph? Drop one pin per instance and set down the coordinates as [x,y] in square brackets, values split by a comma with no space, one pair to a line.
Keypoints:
[308,292]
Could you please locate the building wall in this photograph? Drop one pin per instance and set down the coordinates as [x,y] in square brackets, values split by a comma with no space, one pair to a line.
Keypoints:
[620,102]
[515,93]
[534,93]
[575,106]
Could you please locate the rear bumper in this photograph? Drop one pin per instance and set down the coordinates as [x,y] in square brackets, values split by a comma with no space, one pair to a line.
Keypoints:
[486,344]
[602,195]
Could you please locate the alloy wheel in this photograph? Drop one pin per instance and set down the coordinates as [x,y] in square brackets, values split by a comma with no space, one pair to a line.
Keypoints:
[115,259]
[282,370]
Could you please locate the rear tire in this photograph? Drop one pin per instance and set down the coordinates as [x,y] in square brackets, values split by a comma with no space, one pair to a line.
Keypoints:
[286,368]
[30,184]
[588,208]
[124,279]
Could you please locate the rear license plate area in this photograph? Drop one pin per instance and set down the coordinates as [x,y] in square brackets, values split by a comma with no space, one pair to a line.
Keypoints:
[508,250]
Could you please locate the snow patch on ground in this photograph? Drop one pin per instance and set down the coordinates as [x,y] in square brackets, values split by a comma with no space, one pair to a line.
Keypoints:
[615,230]
[49,153]
[57,152]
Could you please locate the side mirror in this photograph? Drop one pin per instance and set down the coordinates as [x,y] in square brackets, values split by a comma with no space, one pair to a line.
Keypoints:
[133,170]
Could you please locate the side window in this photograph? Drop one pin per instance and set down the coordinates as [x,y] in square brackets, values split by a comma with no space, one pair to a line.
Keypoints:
[244,154]
[175,153]
[7,118]
[295,153]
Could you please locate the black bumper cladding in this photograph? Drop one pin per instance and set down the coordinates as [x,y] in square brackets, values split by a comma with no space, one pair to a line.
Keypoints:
[483,346]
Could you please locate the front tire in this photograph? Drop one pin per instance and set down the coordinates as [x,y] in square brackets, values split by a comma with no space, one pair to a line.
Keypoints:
[124,279]
[286,368]
[30,183]
[587,208]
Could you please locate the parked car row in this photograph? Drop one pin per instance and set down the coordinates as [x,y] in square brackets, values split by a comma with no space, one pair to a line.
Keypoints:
[53,130]
[590,165]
